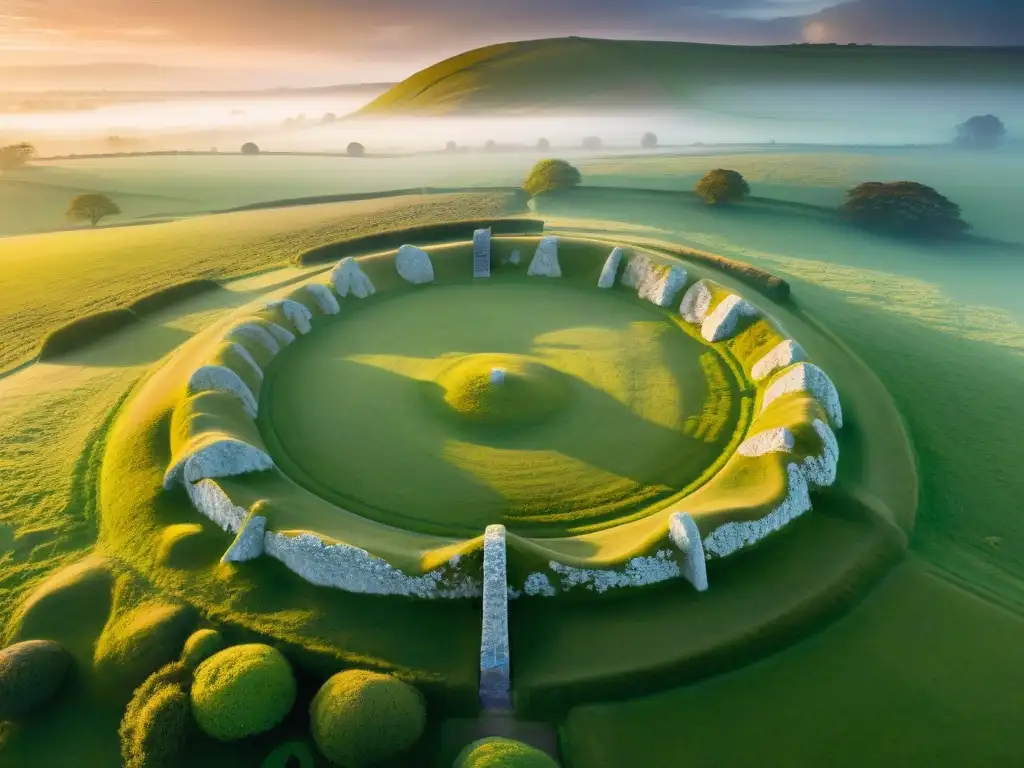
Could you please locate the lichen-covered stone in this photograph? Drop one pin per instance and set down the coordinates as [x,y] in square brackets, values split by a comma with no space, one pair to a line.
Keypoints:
[610,269]
[538,584]
[355,570]
[783,355]
[348,277]
[820,471]
[254,334]
[495,682]
[248,544]
[722,322]
[209,499]
[696,302]
[413,265]
[778,440]
[545,260]
[217,378]
[637,271]
[639,571]
[662,285]
[806,377]
[297,314]
[685,535]
[222,458]
[324,298]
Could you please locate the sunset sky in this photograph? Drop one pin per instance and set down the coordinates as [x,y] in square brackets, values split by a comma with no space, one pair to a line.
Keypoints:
[266,43]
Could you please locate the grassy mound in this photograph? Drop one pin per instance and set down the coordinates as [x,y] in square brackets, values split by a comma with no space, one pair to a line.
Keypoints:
[242,691]
[157,720]
[496,752]
[200,646]
[30,673]
[83,331]
[165,297]
[361,718]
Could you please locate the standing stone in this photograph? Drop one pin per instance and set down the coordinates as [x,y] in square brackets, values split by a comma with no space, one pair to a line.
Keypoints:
[515,258]
[413,265]
[610,269]
[685,535]
[348,278]
[495,678]
[545,260]
[482,253]
[248,544]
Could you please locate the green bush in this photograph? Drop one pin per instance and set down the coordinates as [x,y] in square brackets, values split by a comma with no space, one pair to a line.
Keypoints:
[551,176]
[903,208]
[980,132]
[165,297]
[355,149]
[360,718]
[592,143]
[543,145]
[83,331]
[157,720]
[200,646]
[242,691]
[721,186]
[422,235]
[250,148]
[649,141]
[496,752]
[30,673]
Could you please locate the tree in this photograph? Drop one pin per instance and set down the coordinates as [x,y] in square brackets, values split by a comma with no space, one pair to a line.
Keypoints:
[649,141]
[355,149]
[16,155]
[592,143]
[328,118]
[490,145]
[543,145]
[451,146]
[904,208]
[92,207]
[980,132]
[551,176]
[721,187]
[250,148]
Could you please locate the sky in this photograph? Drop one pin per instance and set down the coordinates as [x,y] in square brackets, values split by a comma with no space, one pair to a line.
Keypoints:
[268,43]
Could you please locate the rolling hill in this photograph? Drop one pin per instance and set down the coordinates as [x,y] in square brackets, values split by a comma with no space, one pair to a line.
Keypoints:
[580,73]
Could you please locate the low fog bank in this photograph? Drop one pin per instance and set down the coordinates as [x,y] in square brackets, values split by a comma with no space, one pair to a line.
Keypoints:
[848,115]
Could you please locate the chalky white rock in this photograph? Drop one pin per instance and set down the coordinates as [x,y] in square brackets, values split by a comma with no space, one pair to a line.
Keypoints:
[348,277]
[248,544]
[685,535]
[254,334]
[806,377]
[297,314]
[610,269]
[324,298]
[778,440]
[696,302]
[783,355]
[545,260]
[414,265]
[495,682]
[217,378]
[722,322]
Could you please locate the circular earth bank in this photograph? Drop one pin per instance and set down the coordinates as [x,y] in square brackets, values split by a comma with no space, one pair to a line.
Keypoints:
[605,407]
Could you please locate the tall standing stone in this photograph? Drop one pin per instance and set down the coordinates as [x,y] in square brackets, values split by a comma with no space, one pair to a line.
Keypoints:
[495,679]
[482,253]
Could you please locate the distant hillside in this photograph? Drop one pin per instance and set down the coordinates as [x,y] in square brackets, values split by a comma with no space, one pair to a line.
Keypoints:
[546,75]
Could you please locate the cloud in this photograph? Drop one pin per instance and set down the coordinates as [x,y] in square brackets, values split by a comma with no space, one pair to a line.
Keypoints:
[920,22]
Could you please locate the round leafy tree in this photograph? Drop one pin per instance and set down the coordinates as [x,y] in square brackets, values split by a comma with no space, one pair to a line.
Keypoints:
[30,673]
[355,149]
[543,145]
[551,176]
[649,141]
[981,132]
[903,207]
[361,717]
[200,646]
[92,207]
[592,143]
[250,148]
[490,145]
[451,146]
[242,691]
[16,155]
[496,752]
[722,186]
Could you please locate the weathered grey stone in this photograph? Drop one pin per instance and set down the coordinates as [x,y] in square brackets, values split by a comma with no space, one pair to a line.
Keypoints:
[610,269]
[783,355]
[413,264]
[696,302]
[297,314]
[662,285]
[722,322]
[685,535]
[325,298]
[254,334]
[283,336]
[545,260]
[217,378]
[637,273]
[482,253]
[222,458]
[778,440]
[348,278]
[639,571]
[248,544]
[252,365]
[495,679]
[210,501]
[806,377]
[820,471]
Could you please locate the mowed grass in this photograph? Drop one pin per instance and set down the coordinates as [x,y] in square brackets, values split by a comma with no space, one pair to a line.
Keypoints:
[363,401]
[49,280]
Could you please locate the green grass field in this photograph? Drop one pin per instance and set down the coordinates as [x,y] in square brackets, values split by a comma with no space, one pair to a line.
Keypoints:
[922,671]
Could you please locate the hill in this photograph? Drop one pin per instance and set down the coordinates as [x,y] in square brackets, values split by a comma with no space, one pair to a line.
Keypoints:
[581,73]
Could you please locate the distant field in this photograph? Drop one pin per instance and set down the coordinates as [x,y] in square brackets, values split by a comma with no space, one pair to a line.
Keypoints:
[47,280]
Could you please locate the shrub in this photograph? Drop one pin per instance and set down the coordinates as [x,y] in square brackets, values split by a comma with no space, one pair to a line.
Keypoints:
[16,155]
[200,646]
[592,143]
[242,691]
[981,132]
[361,717]
[551,176]
[156,721]
[496,752]
[355,149]
[543,145]
[92,207]
[165,297]
[83,331]
[721,186]
[30,673]
[490,145]
[451,146]
[904,208]
[250,148]
[649,141]
[328,118]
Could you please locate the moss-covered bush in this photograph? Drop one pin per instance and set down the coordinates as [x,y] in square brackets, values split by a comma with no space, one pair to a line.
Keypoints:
[157,720]
[903,208]
[200,646]
[551,176]
[30,673]
[496,752]
[722,186]
[360,718]
[242,691]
